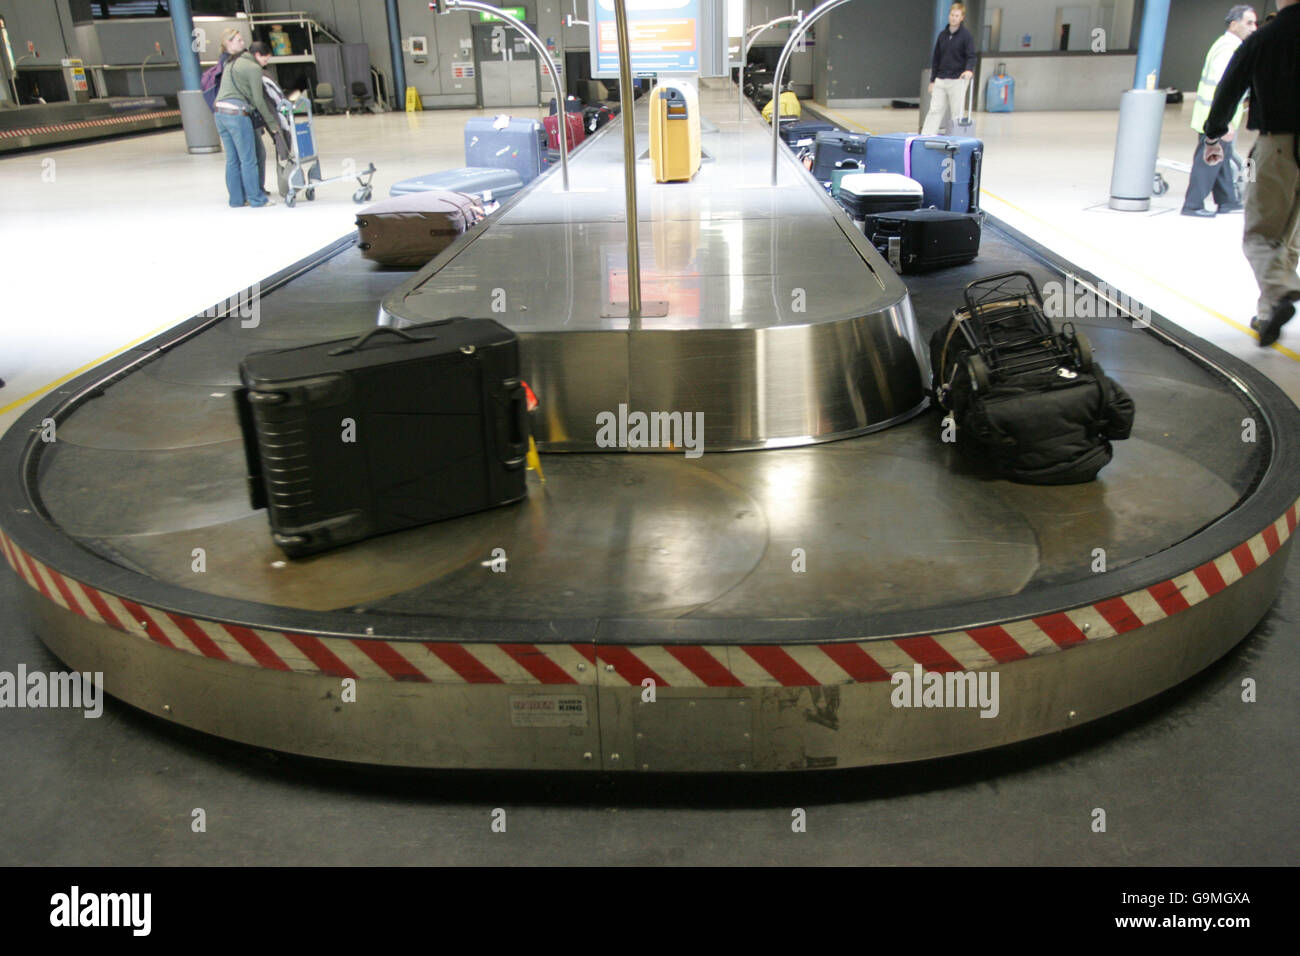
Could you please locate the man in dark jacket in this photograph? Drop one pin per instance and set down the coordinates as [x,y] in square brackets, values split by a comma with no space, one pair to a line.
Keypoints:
[1267,65]
[951,70]
[240,95]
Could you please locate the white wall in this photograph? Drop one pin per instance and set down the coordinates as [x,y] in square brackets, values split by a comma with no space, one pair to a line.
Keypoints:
[1038,19]
[1064,82]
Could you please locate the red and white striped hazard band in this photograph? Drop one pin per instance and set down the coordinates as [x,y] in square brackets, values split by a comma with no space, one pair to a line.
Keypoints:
[124,120]
[669,665]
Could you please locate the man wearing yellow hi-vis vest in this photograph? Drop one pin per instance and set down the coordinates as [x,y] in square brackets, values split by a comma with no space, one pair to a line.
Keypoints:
[1204,179]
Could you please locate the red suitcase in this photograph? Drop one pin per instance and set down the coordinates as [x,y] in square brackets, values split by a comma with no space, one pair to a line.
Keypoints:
[575,130]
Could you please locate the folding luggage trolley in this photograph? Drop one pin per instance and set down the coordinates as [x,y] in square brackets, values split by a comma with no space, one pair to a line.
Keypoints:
[1008,334]
[302,173]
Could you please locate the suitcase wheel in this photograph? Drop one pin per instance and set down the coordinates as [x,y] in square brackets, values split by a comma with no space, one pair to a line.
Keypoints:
[978,371]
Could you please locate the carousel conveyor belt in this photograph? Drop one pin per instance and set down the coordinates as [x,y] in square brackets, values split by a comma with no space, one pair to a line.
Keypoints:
[769,596]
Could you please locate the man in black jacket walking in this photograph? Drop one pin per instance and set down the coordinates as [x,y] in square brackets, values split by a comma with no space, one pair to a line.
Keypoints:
[1267,65]
[951,70]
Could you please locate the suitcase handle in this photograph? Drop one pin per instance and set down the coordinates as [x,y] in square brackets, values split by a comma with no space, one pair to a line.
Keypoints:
[516,439]
[364,338]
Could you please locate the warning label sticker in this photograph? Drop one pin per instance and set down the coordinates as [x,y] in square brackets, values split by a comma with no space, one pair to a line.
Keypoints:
[548,711]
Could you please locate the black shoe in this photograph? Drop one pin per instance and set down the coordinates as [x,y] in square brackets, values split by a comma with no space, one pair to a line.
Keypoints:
[1228,208]
[1270,330]
[1200,213]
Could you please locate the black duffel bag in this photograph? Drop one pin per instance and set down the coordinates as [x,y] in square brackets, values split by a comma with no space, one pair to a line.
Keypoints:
[1050,426]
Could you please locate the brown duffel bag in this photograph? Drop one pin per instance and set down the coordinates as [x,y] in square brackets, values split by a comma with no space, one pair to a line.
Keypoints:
[410,230]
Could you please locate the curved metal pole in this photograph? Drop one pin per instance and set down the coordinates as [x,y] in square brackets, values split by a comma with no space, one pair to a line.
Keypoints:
[748,42]
[561,120]
[795,35]
[144,86]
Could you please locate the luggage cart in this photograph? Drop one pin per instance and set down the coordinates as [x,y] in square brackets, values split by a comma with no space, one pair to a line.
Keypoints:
[1009,335]
[301,174]
[1160,185]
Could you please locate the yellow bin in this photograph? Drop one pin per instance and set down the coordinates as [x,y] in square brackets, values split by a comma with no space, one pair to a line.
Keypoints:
[674,131]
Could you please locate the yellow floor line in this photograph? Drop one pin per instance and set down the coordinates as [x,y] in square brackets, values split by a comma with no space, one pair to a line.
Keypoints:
[1172,291]
[89,365]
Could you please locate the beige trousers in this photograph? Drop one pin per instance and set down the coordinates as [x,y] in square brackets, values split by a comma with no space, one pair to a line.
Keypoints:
[947,103]
[1271,239]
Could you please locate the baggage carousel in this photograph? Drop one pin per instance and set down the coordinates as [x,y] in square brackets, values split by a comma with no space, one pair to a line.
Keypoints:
[58,124]
[744,610]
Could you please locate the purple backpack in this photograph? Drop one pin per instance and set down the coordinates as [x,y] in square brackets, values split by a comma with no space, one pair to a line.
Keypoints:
[210,83]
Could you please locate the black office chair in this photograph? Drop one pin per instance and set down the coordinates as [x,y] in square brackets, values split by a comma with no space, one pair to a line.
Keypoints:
[362,94]
[323,101]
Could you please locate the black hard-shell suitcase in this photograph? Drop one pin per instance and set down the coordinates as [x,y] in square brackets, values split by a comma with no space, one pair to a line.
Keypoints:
[594,117]
[796,133]
[837,149]
[920,239]
[353,438]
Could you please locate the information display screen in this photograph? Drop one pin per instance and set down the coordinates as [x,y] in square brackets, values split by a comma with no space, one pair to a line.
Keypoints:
[664,37]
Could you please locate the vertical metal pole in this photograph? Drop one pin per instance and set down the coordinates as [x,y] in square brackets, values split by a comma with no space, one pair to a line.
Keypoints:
[183,29]
[399,63]
[941,8]
[629,159]
[196,119]
[1151,43]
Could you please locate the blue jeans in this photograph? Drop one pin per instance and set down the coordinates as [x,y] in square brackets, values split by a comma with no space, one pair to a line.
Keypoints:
[240,143]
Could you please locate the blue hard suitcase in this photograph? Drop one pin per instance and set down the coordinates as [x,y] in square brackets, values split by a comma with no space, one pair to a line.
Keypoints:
[1000,96]
[484,183]
[947,167]
[797,134]
[837,150]
[506,142]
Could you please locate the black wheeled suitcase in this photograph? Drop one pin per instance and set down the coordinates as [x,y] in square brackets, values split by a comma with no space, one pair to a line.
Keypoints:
[919,239]
[594,117]
[796,132]
[358,437]
[837,149]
